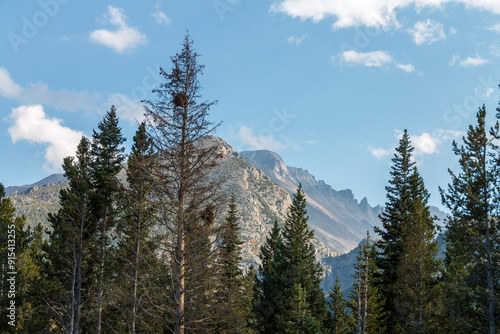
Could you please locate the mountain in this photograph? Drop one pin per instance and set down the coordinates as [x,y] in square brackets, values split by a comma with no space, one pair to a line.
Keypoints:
[338,219]
[52,179]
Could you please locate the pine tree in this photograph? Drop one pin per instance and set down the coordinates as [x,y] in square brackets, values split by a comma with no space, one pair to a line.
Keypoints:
[269,294]
[417,288]
[390,245]
[107,160]
[230,305]
[68,262]
[339,322]
[298,317]
[366,302]
[178,124]
[300,268]
[135,258]
[472,236]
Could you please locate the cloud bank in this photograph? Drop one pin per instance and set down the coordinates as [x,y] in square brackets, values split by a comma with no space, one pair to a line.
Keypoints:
[30,123]
[373,13]
[40,93]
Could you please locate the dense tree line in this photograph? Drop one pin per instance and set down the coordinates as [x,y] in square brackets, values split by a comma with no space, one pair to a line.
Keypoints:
[152,254]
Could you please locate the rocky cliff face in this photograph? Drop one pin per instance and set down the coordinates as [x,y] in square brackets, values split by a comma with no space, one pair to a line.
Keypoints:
[259,200]
[338,219]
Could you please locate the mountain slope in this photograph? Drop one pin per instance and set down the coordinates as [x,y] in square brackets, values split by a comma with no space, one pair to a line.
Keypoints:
[337,218]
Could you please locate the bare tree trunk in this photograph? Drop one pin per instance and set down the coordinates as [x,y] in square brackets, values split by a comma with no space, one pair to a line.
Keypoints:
[135,275]
[100,287]
[489,277]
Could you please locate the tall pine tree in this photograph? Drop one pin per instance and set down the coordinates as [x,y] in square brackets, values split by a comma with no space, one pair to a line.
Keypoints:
[269,294]
[390,245]
[417,288]
[138,268]
[300,269]
[68,267]
[107,161]
[472,236]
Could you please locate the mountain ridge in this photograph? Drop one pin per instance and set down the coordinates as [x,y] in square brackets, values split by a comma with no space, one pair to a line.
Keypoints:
[338,219]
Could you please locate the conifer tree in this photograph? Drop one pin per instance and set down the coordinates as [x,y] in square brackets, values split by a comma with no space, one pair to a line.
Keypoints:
[230,305]
[339,322]
[472,235]
[178,124]
[390,245]
[417,289]
[107,160]
[136,259]
[269,294]
[298,316]
[68,264]
[366,302]
[300,266]
[17,269]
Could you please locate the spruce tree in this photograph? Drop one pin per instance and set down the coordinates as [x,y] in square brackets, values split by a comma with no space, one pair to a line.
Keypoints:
[472,235]
[390,245]
[69,266]
[300,271]
[269,295]
[339,322]
[417,288]
[366,302]
[136,261]
[107,160]
[230,305]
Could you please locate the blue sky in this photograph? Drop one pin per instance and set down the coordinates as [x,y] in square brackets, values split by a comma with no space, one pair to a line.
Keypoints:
[329,85]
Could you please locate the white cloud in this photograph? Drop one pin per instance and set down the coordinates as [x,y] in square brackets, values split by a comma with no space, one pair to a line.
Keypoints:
[407,68]
[124,38]
[296,40]
[427,32]
[379,152]
[495,27]
[258,142]
[424,144]
[373,13]
[473,61]
[454,59]
[371,59]
[161,17]
[8,87]
[39,93]
[126,108]
[32,124]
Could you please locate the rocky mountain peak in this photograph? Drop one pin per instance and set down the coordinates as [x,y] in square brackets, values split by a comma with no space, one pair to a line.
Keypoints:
[267,161]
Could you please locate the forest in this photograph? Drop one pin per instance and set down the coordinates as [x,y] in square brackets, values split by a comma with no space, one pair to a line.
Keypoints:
[155,254]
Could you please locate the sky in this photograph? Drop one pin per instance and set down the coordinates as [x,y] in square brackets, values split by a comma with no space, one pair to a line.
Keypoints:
[329,85]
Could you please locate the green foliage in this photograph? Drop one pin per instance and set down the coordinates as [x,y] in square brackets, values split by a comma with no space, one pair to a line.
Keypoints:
[473,236]
[366,301]
[18,270]
[417,289]
[290,276]
[390,246]
[407,250]
[339,321]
